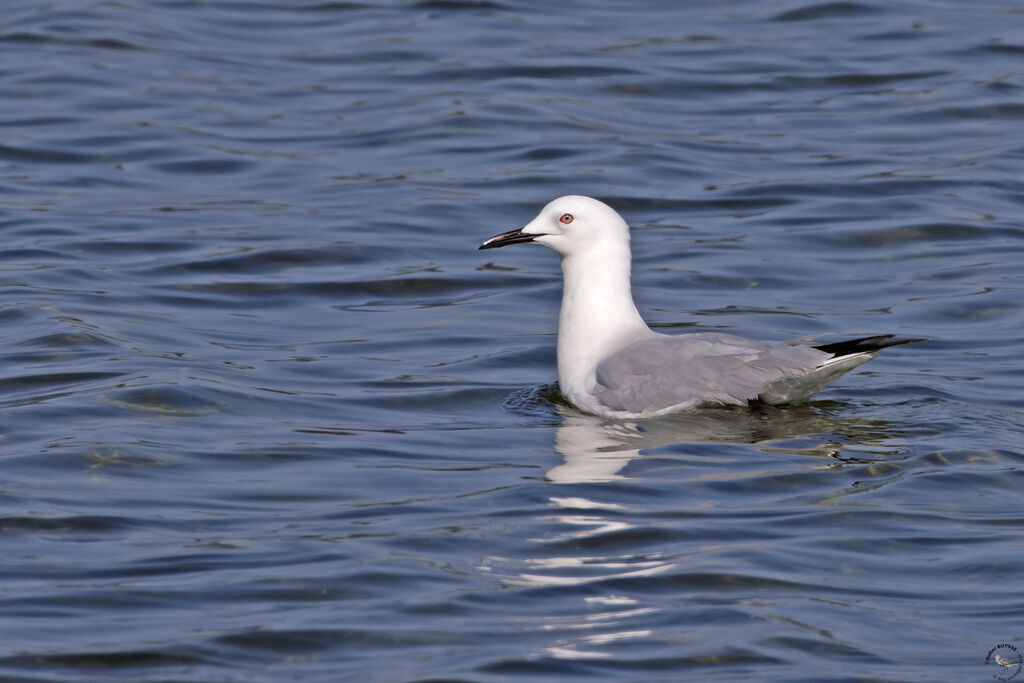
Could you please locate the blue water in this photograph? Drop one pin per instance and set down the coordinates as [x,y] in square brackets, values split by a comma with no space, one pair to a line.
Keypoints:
[267,414]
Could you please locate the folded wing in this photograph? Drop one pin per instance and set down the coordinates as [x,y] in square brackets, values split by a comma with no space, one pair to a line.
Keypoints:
[667,372]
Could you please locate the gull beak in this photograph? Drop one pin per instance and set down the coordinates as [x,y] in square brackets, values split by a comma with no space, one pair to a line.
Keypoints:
[507,238]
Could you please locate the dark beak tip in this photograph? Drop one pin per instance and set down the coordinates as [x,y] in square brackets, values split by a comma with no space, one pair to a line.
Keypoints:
[506,238]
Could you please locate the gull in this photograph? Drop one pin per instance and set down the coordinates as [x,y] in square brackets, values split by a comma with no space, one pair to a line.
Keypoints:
[1007,664]
[611,364]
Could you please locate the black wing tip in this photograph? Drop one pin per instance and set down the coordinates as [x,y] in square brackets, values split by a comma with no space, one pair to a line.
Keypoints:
[866,344]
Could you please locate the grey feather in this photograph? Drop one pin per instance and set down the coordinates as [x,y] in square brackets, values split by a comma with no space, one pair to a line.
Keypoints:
[705,369]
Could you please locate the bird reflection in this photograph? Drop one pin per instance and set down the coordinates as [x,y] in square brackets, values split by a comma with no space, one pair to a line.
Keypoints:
[578,527]
[597,449]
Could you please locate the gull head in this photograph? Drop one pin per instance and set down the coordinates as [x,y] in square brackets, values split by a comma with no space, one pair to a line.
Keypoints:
[569,225]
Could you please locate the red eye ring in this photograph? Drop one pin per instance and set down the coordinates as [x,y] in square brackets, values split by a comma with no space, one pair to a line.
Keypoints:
[566,218]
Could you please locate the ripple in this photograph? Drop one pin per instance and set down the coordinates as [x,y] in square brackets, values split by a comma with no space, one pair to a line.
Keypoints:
[204,166]
[163,400]
[101,43]
[78,524]
[115,660]
[827,10]
[268,413]
[536,402]
[45,155]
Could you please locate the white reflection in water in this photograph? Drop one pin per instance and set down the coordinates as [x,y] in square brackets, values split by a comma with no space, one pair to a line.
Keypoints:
[619,568]
[598,450]
[595,449]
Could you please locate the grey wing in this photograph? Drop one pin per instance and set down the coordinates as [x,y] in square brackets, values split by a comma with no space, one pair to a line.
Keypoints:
[694,369]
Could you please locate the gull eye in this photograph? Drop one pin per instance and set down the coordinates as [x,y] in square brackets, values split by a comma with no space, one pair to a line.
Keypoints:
[566,218]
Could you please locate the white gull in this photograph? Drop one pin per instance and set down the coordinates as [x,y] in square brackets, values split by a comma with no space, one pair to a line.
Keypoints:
[611,364]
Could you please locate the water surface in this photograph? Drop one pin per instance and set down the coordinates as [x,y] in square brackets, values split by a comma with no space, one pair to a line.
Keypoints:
[267,414]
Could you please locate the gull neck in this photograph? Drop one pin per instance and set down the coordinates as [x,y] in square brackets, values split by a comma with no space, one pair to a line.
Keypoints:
[598,315]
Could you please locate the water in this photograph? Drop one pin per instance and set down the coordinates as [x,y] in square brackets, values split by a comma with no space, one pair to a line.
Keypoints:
[268,415]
